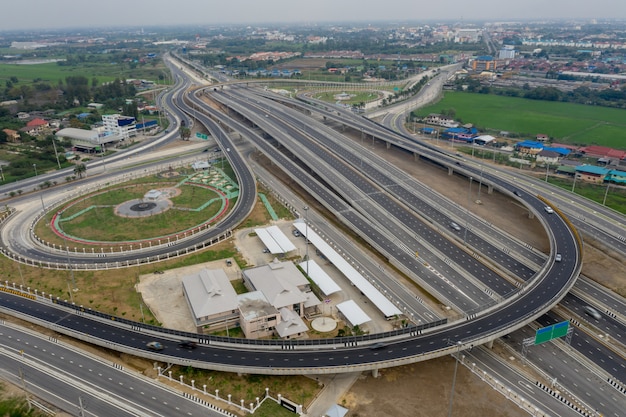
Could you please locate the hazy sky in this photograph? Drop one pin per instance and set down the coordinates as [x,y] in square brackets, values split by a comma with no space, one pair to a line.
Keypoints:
[32,14]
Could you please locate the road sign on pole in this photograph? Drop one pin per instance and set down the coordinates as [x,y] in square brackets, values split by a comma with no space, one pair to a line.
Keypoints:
[554,331]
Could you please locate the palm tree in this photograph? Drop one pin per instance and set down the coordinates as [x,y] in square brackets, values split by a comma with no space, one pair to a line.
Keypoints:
[80,169]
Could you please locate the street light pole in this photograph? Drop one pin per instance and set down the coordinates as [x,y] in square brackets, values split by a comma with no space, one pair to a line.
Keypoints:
[306,237]
[469,195]
[35,166]
[54,145]
[69,264]
[608,184]
[456,365]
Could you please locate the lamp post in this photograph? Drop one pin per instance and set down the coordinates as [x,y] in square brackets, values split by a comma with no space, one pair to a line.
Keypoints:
[306,237]
[54,145]
[456,365]
[469,195]
[574,184]
[608,184]
[35,167]
[69,264]
[104,167]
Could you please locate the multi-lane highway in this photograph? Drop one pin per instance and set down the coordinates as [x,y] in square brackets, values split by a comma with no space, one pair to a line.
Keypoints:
[523,306]
[71,380]
[361,207]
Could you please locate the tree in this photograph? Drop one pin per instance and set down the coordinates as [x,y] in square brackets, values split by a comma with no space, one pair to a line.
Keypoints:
[185,133]
[79,170]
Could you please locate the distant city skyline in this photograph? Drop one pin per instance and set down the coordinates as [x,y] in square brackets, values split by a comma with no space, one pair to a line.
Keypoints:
[58,14]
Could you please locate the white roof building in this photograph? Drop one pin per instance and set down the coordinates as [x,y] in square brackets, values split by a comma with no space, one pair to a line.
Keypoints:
[353,313]
[275,240]
[282,284]
[290,324]
[85,139]
[210,296]
[258,316]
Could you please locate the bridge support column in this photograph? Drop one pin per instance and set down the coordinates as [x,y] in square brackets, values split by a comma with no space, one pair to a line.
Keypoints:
[531,215]
[450,171]
[375,373]
[489,189]
[490,344]
[416,156]
[388,144]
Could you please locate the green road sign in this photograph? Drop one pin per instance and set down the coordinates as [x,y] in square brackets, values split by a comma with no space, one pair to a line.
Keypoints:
[201,136]
[555,331]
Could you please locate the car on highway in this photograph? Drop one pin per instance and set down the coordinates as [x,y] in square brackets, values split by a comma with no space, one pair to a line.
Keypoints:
[517,193]
[592,312]
[188,344]
[558,257]
[455,226]
[548,209]
[377,346]
[154,346]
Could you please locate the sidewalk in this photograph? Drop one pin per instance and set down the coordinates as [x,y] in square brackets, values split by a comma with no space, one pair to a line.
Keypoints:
[335,386]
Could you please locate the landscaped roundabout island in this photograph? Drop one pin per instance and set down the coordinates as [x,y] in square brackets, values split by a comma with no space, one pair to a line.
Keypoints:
[149,211]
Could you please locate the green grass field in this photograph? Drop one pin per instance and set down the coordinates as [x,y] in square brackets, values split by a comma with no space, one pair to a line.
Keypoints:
[358,96]
[52,72]
[575,124]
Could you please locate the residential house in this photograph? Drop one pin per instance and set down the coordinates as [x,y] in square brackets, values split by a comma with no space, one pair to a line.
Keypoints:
[528,147]
[12,135]
[616,177]
[548,157]
[591,173]
[440,120]
[36,127]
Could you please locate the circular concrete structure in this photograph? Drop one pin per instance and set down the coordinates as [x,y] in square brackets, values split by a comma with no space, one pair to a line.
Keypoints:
[142,206]
[324,324]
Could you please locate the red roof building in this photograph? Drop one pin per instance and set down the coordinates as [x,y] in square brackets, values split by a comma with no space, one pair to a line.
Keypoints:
[603,152]
[37,123]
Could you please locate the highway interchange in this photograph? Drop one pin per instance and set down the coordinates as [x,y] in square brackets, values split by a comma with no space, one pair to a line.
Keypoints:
[419,222]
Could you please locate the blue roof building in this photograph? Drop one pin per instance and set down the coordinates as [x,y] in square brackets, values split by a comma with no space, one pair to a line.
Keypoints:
[591,173]
[529,144]
[560,151]
[615,176]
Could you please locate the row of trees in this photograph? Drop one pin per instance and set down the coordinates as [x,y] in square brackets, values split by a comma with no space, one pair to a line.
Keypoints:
[607,97]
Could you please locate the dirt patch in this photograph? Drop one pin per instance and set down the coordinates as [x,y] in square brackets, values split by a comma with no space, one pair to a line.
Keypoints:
[423,389]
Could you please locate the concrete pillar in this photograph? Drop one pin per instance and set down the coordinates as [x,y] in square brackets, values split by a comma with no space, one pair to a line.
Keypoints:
[388,145]
[450,171]
[375,373]
[489,189]
[416,156]
[490,344]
